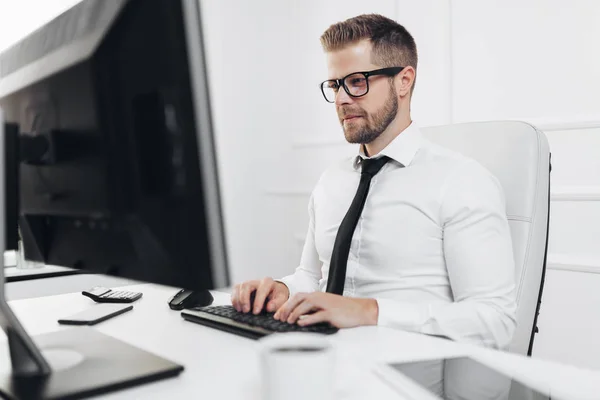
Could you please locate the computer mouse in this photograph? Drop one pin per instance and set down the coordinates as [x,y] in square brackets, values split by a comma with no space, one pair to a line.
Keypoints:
[190,298]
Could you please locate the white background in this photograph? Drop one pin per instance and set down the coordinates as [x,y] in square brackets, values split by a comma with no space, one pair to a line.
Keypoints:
[532,60]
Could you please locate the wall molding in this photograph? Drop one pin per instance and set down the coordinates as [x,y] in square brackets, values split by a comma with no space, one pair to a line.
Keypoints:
[559,193]
[566,125]
[575,193]
[545,126]
[574,263]
[288,192]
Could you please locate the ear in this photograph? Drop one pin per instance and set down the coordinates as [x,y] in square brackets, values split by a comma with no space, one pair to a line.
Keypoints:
[404,81]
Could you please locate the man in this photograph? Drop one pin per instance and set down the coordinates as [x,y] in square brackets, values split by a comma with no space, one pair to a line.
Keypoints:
[424,243]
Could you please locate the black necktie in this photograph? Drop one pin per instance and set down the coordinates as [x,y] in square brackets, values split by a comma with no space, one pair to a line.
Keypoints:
[341,247]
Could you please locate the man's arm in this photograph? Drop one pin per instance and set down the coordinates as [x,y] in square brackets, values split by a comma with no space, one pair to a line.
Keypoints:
[479,258]
[308,273]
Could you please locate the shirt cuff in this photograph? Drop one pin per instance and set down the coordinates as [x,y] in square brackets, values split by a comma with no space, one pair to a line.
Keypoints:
[287,281]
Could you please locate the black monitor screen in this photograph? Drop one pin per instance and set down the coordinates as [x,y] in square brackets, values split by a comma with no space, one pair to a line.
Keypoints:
[118,175]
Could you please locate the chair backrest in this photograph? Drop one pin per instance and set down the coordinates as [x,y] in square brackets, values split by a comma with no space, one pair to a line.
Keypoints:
[518,155]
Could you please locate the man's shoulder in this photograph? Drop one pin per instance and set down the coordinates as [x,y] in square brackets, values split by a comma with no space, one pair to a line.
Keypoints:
[336,171]
[453,162]
[466,181]
[441,156]
[340,166]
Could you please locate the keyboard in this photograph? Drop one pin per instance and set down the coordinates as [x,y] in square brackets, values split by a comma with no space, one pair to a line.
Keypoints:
[228,319]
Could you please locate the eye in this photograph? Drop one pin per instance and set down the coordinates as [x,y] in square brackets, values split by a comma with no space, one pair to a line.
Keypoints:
[332,85]
[356,81]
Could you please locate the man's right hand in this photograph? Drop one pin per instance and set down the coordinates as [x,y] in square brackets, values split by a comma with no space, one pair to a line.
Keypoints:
[269,293]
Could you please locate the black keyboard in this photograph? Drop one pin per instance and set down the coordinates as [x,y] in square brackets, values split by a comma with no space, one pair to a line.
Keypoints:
[227,318]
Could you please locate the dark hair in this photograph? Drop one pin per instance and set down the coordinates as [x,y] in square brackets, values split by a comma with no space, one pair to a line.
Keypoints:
[393,45]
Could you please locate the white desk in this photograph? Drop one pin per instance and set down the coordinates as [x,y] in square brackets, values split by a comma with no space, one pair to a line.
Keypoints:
[219,365]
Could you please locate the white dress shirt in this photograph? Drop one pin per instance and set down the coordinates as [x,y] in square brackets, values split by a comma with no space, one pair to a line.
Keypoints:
[432,245]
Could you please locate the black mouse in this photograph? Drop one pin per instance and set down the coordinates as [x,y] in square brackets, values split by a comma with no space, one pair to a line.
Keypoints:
[190,298]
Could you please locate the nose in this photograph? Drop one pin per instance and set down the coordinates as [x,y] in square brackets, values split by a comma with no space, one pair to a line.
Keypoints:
[342,98]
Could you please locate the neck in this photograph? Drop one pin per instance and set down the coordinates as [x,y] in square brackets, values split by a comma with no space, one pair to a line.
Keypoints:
[399,124]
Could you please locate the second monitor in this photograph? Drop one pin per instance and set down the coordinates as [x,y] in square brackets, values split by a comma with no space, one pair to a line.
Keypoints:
[121,177]
[127,181]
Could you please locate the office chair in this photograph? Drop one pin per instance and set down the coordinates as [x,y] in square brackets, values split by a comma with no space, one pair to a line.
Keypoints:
[518,155]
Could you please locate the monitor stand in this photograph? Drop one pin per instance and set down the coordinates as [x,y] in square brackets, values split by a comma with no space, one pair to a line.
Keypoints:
[77,363]
[72,363]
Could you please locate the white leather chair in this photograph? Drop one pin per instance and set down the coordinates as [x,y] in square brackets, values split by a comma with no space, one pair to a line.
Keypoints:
[518,155]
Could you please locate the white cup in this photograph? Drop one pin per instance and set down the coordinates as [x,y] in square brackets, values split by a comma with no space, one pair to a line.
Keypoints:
[297,366]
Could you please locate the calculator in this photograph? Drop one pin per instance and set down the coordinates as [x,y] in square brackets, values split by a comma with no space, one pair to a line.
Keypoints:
[104,295]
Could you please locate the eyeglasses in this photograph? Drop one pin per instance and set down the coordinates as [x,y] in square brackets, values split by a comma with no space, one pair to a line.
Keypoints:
[355,84]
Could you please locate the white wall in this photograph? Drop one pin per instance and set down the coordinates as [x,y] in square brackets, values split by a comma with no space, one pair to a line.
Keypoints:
[21,17]
[539,61]
[276,134]
[534,60]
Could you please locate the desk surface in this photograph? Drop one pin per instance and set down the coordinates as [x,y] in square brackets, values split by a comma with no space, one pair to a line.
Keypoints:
[14,274]
[225,366]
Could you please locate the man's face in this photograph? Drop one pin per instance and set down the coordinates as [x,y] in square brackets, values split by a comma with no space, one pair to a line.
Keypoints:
[363,118]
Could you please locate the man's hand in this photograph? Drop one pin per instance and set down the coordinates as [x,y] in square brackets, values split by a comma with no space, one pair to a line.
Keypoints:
[339,311]
[266,289]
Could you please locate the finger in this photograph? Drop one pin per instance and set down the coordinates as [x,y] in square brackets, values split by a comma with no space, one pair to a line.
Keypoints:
[235,298]
[301,309]
[319,316]
[275,303]
[271,306]
[279,295]
[279,310]
[284,311]
[281,289]
[264,289]
[246,290]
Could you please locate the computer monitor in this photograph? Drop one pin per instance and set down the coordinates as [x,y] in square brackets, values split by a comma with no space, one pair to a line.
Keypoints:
[117,163]
[11,187]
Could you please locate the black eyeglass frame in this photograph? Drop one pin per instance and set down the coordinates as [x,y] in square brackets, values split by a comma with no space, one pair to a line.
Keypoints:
[390,71]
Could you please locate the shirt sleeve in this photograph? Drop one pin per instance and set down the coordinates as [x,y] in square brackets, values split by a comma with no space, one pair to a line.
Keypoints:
[308,273]
[479,260]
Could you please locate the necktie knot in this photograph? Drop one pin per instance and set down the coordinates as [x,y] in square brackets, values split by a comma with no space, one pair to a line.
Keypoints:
[371,166]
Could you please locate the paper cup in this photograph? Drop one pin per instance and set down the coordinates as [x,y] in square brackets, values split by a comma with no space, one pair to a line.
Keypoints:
[297,366]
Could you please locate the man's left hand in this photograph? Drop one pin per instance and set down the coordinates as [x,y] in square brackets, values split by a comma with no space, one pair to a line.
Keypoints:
[339,311]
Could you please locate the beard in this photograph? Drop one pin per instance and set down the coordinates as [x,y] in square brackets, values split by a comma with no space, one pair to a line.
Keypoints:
[370,126]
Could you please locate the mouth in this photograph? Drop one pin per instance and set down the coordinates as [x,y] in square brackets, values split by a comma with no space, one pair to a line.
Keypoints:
[351,117]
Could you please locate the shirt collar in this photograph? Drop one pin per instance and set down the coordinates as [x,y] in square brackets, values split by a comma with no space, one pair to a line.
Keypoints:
[402,149]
